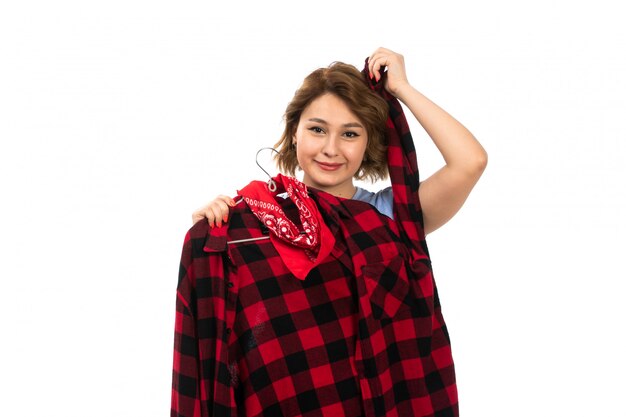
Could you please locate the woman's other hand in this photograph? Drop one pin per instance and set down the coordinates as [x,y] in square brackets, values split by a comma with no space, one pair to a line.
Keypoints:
[396,71]
[215,212]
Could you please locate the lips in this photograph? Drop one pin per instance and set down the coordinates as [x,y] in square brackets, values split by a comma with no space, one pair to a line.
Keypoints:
[326,166]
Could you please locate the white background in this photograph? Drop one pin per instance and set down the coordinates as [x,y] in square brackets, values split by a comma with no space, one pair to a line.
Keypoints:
[119,118]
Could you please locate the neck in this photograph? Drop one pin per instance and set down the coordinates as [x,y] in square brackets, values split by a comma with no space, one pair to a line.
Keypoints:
[347,193]
[341,190]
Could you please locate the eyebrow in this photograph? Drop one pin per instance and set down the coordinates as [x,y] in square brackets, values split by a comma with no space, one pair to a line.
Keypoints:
[322,121]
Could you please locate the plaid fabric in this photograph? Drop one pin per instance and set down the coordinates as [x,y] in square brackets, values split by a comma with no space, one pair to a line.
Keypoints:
[362,335]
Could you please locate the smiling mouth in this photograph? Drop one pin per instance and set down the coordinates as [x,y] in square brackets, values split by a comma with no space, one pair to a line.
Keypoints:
[327,166]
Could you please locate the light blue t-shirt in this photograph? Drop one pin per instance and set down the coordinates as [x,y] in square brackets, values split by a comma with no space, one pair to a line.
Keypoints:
[382,200]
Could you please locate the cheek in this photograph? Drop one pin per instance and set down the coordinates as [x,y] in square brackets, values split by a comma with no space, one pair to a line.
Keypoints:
[298,156]
[357,153]
[302,150]
[306,146]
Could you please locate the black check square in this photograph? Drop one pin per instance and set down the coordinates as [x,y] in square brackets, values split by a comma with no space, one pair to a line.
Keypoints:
[269,288]
[347,389]
[324,313]
[260,379]
[337,351]
[297,362]
[283,325]
[308,401]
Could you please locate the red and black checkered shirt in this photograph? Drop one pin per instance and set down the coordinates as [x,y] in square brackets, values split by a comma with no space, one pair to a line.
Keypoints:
[362,335]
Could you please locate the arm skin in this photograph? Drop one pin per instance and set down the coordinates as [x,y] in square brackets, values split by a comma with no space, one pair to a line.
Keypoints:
[444,193]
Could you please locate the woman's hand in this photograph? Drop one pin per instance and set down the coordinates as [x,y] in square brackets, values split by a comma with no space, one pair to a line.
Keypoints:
[215,212]
[396,71]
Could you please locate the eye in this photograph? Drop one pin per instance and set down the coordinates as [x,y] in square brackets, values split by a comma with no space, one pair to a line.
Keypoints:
[316,129]
[351,135]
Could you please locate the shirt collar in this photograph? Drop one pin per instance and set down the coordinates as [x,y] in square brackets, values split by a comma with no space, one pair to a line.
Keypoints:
[330,205]
[217,238]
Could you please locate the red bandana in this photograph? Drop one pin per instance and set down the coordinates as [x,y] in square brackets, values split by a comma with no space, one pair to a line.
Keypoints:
[301,249]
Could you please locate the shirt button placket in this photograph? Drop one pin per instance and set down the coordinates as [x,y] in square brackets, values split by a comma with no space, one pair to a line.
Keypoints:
[230,304]
[230,296]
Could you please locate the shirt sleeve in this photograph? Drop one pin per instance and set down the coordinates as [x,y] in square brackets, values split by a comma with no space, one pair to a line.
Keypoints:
[185,374]
[403,171]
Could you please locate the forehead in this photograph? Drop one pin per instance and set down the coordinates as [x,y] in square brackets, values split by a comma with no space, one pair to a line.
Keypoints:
[330,108]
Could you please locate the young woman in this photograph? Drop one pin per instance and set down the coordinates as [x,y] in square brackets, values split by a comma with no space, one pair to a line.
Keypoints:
[341,318]
[334,132]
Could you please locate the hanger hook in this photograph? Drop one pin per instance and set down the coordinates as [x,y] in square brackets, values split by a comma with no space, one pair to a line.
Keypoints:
[271,184]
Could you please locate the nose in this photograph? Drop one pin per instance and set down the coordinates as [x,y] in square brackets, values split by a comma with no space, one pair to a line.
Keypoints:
[330,146]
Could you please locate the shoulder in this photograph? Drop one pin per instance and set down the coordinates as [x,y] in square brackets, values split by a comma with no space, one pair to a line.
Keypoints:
[382,200]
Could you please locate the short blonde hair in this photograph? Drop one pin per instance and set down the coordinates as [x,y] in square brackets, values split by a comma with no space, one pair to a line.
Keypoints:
[347,83]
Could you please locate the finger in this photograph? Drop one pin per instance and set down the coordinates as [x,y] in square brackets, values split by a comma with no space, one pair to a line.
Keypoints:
[372,56]
[215,215]
[220,210]
[224,209]
[370,63]
[379,61]
[210,217]
[227,200]
[376,54]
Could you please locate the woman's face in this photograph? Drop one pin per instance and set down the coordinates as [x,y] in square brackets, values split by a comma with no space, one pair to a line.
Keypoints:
[330,144]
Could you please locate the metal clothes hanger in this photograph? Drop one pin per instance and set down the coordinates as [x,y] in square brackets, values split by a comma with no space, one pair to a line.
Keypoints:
[271,185]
